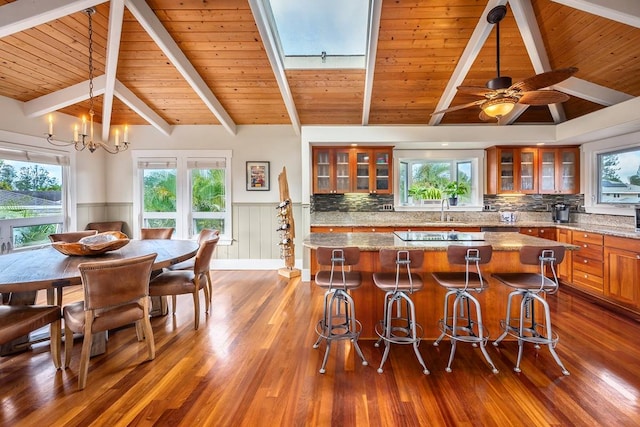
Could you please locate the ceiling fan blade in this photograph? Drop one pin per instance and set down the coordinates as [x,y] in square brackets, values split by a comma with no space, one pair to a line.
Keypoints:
[459,107]
[543,97]
[543,80]
[474,90]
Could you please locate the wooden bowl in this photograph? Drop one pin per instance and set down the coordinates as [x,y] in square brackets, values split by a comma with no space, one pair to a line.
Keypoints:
[93,245]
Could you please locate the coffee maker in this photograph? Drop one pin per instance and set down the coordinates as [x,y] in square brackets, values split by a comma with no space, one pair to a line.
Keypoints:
[560,213]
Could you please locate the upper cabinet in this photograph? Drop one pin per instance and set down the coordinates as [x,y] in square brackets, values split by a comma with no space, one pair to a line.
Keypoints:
[559,170]
[512,170]
[338,170]
[530,170]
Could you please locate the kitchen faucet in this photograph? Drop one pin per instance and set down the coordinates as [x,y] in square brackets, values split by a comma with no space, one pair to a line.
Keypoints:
[442,202]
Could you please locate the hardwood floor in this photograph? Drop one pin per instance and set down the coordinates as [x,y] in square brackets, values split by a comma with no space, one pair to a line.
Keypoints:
[251,363]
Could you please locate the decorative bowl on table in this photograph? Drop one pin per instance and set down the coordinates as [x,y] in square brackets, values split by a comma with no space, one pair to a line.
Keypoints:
[93,245]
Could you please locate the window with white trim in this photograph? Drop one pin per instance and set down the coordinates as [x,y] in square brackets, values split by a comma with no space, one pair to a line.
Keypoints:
[188,190]
[34,189]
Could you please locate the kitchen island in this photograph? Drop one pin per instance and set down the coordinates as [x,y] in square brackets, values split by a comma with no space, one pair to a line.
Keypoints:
[369,300]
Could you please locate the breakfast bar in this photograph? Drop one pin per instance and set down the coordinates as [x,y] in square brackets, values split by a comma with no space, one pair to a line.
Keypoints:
[369,300]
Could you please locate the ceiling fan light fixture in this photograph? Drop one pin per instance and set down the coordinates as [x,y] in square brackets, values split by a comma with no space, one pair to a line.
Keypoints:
[499,107]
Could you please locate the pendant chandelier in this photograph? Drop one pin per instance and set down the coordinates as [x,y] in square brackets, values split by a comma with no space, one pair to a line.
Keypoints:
[83,137]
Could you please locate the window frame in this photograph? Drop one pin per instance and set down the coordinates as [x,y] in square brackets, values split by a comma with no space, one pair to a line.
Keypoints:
[22,147]
[183,216]
[477,159]
[590,174]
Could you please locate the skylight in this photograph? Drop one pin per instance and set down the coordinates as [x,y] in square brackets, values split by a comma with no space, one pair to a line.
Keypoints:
[321,33]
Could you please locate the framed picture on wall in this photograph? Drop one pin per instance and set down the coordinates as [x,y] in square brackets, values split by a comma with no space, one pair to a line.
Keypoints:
[258,178]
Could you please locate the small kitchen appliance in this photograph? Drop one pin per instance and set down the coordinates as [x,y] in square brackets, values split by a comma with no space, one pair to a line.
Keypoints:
[560,213]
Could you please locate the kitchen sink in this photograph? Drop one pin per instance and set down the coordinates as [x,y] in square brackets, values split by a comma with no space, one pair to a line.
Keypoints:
[441,236]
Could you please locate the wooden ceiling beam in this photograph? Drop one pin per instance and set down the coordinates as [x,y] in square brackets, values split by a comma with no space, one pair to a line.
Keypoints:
[477,40]
[142,109]
[116,16]
[270,43]
[22,15]
[372,49]
[152,25]
[624,11]
[532,38]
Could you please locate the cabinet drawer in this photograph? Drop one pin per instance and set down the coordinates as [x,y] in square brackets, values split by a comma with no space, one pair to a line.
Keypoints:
[590,238]
[588,282]
[588,250]
[587,265]
[622,243]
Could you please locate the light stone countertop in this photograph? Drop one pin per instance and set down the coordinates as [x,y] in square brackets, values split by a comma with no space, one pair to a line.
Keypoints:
[603,224]
[509,241]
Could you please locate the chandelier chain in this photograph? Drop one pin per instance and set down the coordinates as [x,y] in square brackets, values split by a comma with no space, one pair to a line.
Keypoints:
[90,64]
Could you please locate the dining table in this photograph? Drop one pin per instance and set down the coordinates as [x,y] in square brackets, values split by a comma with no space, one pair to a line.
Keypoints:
[25,272]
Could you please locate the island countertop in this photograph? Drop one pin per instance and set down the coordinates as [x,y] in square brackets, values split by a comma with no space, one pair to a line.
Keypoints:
[510,241]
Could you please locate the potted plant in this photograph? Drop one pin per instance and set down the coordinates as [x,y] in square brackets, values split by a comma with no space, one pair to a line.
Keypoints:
[417,192]
[453,189]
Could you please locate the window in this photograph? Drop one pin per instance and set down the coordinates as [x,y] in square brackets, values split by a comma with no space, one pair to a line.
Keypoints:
[619,176]
[425,178]
[320,34]
[189,192]
[33,189]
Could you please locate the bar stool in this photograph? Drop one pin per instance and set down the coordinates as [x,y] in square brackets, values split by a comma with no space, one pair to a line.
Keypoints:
[461,325]
[531,287]
[339,314]
[400,328]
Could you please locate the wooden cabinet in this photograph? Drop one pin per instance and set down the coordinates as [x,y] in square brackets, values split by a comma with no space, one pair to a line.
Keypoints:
[373,170]
[512,170]
[587,262]
[543,232]
[531,170]
[565,269]
[622,270]
[339,170]
[331,170]
[559,170]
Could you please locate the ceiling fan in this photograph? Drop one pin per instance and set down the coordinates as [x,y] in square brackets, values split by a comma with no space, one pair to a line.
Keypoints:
[500,95]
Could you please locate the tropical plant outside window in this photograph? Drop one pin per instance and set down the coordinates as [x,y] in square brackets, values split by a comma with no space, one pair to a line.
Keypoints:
[432,180]
[619,177]
[31,200]
[186,193]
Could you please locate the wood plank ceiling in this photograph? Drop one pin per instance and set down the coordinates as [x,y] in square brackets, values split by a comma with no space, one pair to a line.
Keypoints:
[420,44]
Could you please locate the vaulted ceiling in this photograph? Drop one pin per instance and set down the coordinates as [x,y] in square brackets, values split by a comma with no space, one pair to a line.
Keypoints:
[172,62]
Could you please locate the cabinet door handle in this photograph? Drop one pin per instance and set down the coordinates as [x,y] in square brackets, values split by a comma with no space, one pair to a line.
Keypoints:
[585,261]
[584,245]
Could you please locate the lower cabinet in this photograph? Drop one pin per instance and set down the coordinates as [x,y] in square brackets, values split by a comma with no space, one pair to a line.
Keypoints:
[587,262]
[622,271]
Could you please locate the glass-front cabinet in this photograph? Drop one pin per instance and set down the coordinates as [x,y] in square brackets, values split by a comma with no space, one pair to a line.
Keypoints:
[516,170]
[532,170]
[559,170]
[331,170]
[338,170]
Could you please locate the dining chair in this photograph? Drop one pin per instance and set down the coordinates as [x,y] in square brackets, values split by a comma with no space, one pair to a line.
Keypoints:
[103,226]
[204,235]
[156,233]
[182,282]
[72,236]
[20,320]
[115,294]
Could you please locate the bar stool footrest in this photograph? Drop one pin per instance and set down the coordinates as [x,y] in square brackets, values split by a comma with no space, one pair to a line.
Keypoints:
[348,334]
[536,334]
[472,336]
[406,338]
